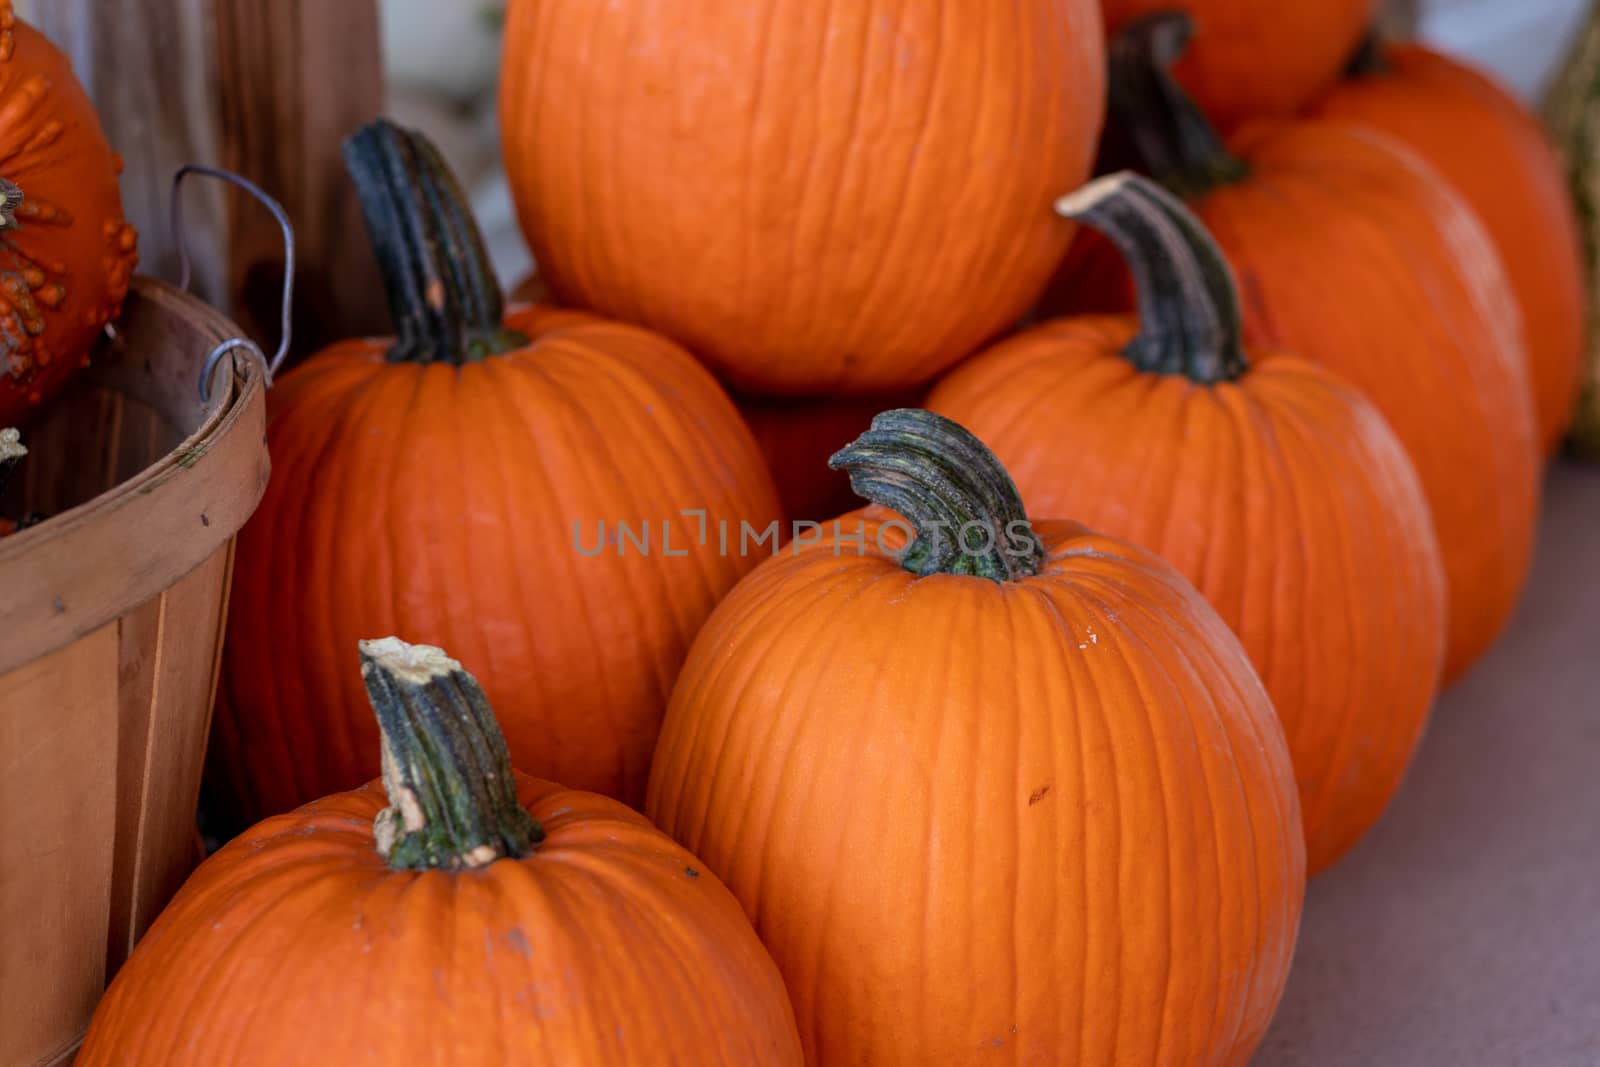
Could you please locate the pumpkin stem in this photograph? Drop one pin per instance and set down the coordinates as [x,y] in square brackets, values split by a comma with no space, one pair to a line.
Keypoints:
[963,507]
[1369,58]
[11,453]
[444,297]
[1175,142]
[1189,318]
[452,795]
[10,200]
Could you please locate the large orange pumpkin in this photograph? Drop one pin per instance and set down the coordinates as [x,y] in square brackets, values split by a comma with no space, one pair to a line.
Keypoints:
[1010,794]
[517,490]
[455,913]
[1351,252]
[811,197]
[66,253]
[1257,58]
[1270,483]
[1480,139]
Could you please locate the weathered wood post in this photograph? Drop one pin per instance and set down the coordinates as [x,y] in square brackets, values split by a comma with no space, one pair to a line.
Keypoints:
[265,89]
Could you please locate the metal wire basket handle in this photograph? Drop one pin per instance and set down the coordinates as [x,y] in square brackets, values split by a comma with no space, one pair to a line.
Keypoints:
[185,270]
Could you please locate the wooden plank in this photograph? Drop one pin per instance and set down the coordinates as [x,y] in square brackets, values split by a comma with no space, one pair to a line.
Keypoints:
[58,724]
[296,77]
[269,90]
[155,93]
[158,787]
[139,642]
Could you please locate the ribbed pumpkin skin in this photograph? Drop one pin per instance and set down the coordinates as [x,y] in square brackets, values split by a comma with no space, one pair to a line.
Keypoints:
[295,944]
[1050,821]
[1258,58]
[440,503]
[65,270]
[812,198]
[1491,150]
[1283,496]
[1352,253]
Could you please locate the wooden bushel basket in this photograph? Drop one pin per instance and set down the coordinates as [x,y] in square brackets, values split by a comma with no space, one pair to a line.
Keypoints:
[111,623]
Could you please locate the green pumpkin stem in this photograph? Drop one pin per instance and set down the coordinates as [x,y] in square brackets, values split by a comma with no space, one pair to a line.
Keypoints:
[452,794]
[962,506]
[443,295]
[1174,141]
[1369,58]
[1189,317]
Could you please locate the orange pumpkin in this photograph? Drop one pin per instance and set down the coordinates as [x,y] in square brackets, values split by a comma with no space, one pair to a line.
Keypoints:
[513,489]
[1270,483]
[1351,252]
[811,198]
[1490,149]
[456,912]
[798,436]
[66,253]
[1011,793]
[795,435]
[1256,58]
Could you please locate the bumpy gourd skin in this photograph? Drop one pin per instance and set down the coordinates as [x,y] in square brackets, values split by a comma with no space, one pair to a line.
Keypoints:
[1050,820]
[1481,140]
[1258,58]
[813,198]
[296,946]
[65,266]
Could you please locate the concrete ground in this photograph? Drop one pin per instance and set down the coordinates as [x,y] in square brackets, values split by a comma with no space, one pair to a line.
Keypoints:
[1465,930]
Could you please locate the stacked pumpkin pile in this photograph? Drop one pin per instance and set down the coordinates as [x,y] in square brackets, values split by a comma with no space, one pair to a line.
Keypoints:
[953,779]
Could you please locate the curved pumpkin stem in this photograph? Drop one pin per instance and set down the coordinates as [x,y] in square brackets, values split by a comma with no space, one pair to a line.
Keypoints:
[1189,317]
[1175,142]
[961,503]
[452,794]
[443,295]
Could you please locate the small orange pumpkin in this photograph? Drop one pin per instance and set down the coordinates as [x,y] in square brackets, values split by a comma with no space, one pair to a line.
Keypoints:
[1270,483]
[1492,151]
[1008,793]
[1352,253]
[468,484]
[812,198]
[456,912]
[66,253]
